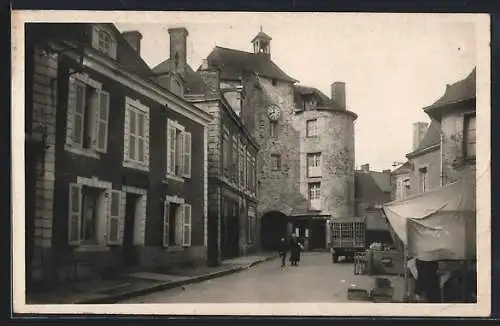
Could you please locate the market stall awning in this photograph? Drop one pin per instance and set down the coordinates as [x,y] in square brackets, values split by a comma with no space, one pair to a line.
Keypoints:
[439,224]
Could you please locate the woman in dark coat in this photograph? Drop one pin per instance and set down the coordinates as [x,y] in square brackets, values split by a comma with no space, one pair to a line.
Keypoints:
[294,251]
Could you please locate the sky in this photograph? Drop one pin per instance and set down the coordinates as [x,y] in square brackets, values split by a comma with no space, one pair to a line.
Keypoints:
[393,65]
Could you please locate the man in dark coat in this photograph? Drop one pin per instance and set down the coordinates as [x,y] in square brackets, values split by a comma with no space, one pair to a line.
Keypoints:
[294,250]
[282,251]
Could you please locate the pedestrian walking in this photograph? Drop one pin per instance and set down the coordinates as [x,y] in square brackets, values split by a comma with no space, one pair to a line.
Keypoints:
[282,251]
[295,248]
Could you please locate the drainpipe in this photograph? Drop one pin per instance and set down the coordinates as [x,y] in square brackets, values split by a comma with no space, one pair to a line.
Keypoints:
[441,168]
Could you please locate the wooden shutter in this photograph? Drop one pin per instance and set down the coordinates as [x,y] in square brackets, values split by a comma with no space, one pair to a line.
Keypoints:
[180,155]
[74,213]
[171,149]
[179,225]
[187,155]
[102,119]
[146,138]
[166,229]
[114,217]
[77,112]
[186,238]
[132,136]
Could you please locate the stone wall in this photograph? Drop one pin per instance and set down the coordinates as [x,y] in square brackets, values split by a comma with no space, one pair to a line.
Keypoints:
[432,161]
[335,142]
[44,95]
[277,190]
[454,164]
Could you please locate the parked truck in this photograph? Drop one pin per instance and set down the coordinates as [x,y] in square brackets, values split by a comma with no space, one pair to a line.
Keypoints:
[347,236]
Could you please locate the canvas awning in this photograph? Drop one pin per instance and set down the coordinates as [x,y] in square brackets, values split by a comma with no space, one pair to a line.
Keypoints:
[439,224]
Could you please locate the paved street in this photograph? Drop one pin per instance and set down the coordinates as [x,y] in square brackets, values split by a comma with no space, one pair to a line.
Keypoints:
[315,280]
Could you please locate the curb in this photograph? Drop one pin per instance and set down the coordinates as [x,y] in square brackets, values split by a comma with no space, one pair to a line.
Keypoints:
[169,285]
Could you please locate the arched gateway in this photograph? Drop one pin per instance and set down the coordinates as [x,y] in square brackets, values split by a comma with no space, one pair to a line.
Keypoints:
[273,226]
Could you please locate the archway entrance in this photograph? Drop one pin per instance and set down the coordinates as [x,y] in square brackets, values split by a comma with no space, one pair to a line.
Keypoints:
[272,228]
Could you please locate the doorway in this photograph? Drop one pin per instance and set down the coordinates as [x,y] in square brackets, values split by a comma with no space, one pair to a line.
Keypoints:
[231,230]
[129,253]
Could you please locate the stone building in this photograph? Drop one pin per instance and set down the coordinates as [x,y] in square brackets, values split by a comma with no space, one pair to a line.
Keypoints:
[305,165]
[232,151]
[447,149]
[113,191]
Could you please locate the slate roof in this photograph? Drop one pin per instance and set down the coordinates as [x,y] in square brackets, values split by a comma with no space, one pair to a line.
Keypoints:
[193,84]
[462,90]
[233,64]
[371,186]
[323,100]
[431,138]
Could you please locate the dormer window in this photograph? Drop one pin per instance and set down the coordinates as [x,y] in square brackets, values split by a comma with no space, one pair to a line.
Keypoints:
[103,40]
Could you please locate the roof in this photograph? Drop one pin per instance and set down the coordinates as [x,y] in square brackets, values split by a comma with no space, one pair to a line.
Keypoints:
[405,168]
[431,138]
[127,56]
[234,63]
[371,186]
[323,100]
[262,35]
[193,84]
[460,91]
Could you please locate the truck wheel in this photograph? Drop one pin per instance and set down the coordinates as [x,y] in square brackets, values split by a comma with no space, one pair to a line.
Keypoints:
[335,258]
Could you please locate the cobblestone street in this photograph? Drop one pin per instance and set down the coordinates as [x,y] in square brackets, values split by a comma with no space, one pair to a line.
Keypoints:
[315,280]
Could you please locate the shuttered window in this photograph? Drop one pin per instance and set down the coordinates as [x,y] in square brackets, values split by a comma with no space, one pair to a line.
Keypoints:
[87,115]
[166,224]
[136,132]
[178,151]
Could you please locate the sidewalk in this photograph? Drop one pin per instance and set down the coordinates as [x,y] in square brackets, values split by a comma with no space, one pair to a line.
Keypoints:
[135,284]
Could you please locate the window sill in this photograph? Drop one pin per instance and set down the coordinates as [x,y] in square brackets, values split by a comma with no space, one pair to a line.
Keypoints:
[175,177]
[175,248]
[135,165]
[82,151]
[92,248]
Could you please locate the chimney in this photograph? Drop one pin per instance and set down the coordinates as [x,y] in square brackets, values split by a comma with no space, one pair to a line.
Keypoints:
[178,43]
[338,94]
[134,39]
[365,167]
[210,77]
[419,129]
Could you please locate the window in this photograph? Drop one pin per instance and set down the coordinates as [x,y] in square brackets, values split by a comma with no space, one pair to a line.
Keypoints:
[254,176]
[94,215]
[274,82]
[312,128]
[103,41]
[276,162]
[136,140]
[273,128]
[315,195]
[241,164]
[314,164]
[234,172]
[176,224]
[251,225]
[178,150]
[422,174]
[88,115]
[225,153]
[470,136]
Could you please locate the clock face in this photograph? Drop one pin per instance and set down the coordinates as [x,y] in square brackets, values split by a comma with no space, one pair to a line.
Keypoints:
[273,112]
